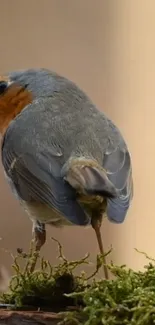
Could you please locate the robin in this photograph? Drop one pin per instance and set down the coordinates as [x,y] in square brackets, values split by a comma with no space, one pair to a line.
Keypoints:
[66,162]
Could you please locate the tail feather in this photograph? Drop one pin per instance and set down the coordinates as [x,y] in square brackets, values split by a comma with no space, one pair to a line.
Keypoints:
[88,177]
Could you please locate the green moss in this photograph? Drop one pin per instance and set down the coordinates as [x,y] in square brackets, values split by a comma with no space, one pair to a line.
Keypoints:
[46,286]
[127,299]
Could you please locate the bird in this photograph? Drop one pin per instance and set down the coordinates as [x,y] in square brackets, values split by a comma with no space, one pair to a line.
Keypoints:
[66,162]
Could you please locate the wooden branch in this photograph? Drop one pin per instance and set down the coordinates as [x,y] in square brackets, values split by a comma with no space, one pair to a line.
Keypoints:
[28,318]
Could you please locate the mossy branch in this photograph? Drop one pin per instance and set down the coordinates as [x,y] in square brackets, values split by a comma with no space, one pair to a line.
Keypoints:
[45,287]
[127,299]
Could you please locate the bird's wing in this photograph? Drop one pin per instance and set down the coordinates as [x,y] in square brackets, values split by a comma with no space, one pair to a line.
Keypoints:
[35,179]
[117,163]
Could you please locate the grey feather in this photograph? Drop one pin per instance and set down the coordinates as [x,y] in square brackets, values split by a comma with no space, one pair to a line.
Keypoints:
[62,122]
[36,182]
[119,171]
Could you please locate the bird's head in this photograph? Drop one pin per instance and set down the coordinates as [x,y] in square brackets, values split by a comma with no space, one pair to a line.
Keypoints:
[13,98]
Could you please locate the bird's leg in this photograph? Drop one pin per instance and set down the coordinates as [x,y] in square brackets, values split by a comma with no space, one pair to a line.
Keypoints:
[40,235]
[39,232]
[96,224]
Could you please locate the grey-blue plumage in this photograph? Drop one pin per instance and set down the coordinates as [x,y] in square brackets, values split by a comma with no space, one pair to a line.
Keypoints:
[62,124]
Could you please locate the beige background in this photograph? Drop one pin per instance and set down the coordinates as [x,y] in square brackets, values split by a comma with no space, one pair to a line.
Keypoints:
[108,48]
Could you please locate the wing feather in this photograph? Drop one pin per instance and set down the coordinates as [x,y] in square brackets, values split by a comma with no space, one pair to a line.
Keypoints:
[34,181]
[118,166]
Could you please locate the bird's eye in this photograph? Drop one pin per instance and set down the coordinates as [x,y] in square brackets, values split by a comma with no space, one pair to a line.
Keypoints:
[3,86]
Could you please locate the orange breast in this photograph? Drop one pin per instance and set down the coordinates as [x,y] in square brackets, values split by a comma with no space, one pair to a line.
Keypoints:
[14,99]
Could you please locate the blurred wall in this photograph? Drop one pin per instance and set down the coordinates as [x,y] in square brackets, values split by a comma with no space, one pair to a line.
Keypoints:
[108,48]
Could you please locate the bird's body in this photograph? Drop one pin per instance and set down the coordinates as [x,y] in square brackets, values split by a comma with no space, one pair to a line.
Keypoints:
[64,159]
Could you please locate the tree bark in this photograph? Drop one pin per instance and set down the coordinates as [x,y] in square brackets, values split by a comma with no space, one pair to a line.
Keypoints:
[28,318]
